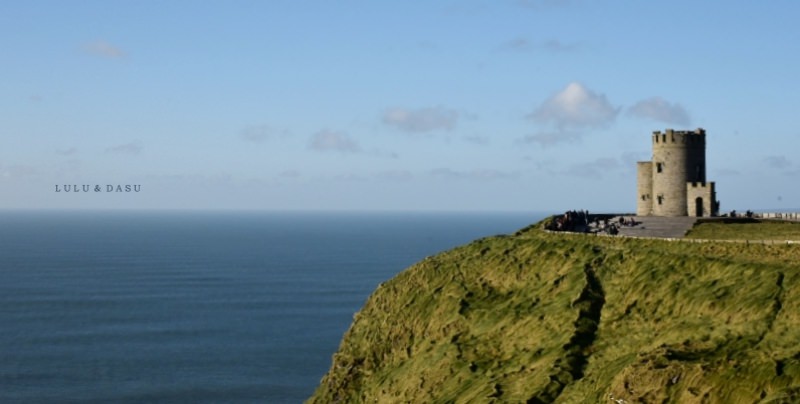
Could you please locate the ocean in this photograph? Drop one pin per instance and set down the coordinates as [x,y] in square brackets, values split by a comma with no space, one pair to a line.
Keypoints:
[195,307]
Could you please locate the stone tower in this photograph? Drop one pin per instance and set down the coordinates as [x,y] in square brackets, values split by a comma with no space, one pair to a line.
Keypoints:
[674,183]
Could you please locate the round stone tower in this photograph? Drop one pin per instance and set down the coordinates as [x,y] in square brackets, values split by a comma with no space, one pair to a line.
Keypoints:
[678,158]
[644,181]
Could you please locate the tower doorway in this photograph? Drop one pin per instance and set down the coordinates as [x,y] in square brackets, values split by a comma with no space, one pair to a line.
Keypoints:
[698,207]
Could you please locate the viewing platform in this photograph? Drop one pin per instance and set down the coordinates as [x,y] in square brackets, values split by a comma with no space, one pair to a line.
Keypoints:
[656,226]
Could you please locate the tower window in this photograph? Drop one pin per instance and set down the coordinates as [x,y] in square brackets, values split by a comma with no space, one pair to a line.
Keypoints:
[660,199]
[659,167]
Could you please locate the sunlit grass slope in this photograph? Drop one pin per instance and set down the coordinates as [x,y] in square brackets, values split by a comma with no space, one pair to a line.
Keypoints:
[546,317]
[759,230]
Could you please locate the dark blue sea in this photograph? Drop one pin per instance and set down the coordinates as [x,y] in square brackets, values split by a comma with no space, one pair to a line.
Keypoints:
[167,307]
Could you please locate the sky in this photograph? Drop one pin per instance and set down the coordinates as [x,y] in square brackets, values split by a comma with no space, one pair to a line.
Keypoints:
[469,105]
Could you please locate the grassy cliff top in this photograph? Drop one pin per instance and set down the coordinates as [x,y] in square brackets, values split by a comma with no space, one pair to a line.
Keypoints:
[554,317]
[746,229]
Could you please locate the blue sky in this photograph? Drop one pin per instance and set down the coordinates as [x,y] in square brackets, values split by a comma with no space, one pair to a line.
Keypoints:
[416,105]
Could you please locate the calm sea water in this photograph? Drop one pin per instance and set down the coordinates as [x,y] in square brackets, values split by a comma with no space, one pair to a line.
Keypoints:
[196,307]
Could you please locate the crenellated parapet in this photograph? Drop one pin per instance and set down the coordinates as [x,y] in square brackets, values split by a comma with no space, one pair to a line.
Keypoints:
[695,137]
[700,184]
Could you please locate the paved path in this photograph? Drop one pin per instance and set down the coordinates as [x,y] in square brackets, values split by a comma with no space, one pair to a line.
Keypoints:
[674,228]
[653,226]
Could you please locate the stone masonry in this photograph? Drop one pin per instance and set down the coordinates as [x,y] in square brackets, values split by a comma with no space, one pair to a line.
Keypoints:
[674,183]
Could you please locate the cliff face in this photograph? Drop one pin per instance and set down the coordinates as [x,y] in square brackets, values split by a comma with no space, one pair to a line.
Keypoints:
[544,318]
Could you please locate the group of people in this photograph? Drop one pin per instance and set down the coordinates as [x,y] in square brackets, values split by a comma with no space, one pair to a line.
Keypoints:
[580,222]
[571,220]
[748,214]
[613,228]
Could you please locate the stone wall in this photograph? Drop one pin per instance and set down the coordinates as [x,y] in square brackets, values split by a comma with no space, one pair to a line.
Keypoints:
[701,196]
[678,158]
[644,188]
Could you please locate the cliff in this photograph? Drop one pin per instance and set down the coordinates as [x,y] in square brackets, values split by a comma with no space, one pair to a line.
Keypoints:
[546,317]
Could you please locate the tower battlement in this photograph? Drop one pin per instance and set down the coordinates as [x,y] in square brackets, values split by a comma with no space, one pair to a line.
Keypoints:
[669,136]
[695,184]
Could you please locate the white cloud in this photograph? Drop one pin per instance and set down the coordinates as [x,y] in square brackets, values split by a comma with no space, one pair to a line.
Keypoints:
[518,44]
[575,107]
[593,169]
[569,111]
[261,133]
[779,162]
[68,168]
[545,166]
[395,175]
[66,152]
[554,45]
[481,175]
[659,109]
[327,140]
[347,177]
[18,171]
[550,138]
[132,148]
[522,44]
[384,153]
[104,49]
[422,119]
[289,174]
[477,139]
[726,172]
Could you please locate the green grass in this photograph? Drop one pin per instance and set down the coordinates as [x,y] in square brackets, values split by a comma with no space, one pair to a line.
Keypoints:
[763,230]
[495,321]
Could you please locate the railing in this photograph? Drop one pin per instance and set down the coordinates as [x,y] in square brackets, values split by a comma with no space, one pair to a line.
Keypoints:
[778,215]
